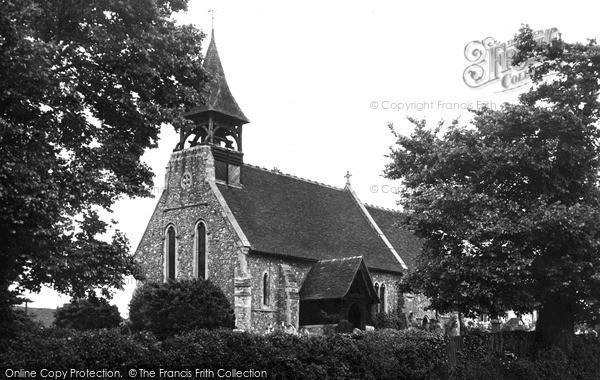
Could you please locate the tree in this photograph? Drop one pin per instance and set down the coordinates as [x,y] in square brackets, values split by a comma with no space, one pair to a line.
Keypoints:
[508,207]
[174,307]
[90,313]
[84,89]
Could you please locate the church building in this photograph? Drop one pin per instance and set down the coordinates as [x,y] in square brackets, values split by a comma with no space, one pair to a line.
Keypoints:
[285,251]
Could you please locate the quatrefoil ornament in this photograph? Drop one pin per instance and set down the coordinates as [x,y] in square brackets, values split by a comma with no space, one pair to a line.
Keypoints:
[186,180]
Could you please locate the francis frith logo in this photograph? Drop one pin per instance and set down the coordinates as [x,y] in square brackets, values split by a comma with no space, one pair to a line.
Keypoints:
[491,62]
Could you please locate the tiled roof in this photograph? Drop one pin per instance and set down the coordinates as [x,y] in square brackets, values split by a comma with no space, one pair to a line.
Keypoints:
[286,215]
[331,279]
[220,98]
[405,242]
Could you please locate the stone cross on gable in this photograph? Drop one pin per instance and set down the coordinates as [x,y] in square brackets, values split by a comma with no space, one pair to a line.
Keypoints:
[347,176]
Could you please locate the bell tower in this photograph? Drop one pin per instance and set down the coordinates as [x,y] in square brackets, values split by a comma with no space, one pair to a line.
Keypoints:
[218,122]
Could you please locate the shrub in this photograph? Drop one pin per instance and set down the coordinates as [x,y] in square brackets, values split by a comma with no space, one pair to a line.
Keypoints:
[586,356]
[389,321]
[16,321]
[176,307]
[344,327]
[89,313]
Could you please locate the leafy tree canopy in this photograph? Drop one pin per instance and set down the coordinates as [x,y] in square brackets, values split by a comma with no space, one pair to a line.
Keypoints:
[84,89]
[508,207]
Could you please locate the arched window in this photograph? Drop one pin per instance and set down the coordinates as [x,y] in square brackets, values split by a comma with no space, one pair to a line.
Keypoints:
[378,308]
[170,260]
[382,299]
[200,234]
[266,289]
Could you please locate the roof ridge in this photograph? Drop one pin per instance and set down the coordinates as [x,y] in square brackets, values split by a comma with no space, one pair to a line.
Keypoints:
[294,177]
[344,258]
[383,208]
[377,229]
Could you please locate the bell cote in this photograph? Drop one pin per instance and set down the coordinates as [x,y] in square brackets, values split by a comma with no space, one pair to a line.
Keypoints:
[218,122]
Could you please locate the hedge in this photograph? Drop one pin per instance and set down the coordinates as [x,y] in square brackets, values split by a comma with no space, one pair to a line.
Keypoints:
[520,358]
[373,355]
[383,354]
[63,349]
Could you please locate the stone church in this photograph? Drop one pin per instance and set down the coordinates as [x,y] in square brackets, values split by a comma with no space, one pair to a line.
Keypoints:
[285,251]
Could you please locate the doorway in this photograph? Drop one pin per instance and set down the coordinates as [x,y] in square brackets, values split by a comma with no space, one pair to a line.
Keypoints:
[355,316]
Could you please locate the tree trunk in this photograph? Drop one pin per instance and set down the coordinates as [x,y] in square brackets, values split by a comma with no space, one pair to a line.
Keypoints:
[556,325]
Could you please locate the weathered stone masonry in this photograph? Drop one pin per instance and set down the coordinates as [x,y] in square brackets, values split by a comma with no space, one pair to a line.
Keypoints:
[183,204]
[285,278]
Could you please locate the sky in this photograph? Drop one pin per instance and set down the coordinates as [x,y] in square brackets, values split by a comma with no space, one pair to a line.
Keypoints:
[320,81]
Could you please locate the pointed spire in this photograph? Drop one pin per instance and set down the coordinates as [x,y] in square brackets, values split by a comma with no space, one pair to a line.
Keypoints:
[219,98]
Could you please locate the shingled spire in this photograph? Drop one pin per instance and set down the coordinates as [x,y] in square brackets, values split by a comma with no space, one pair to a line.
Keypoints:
[219,120]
